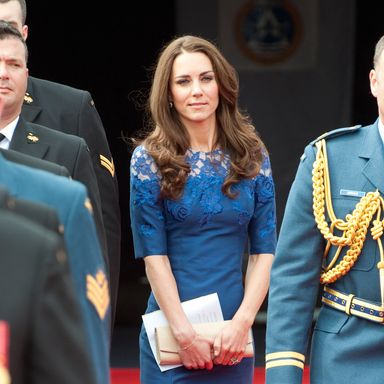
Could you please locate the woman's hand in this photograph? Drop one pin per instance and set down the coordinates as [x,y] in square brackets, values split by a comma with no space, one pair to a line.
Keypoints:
[197,354]
[195,351]
[229,345]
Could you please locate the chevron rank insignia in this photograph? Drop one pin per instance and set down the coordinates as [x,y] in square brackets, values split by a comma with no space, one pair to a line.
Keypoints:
[28,98]
[98,293]
[108,164]
[32,138]
[88,205]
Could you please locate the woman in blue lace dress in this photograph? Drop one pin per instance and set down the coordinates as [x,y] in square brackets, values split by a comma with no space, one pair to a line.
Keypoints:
[201,192]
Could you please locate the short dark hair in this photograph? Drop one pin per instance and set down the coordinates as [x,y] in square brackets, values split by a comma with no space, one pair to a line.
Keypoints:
[8,31]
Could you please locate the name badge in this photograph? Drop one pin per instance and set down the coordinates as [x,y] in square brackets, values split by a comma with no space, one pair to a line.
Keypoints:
[347,192]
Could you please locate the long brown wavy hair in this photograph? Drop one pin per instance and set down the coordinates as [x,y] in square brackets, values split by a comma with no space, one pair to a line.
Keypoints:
[168,139]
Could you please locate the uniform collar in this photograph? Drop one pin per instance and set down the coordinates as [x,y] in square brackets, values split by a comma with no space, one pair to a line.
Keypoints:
[381,129]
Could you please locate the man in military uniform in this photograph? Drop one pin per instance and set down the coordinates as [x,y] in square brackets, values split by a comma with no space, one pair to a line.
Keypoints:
[35,281]
[34,162]
[73,111]
[42,214]
[332,234]
[86,262]
[36,140]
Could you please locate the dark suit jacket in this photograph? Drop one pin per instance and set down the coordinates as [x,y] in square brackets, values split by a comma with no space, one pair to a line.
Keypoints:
[34,162]
[66,150]
[72,110]
[34,282]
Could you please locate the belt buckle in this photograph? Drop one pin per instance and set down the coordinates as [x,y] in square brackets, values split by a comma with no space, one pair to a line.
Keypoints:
[348,304]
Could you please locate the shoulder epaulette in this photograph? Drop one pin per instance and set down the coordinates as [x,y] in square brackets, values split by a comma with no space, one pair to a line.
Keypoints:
[336,132]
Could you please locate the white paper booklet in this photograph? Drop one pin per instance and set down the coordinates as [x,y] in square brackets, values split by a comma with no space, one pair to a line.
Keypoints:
[203,309]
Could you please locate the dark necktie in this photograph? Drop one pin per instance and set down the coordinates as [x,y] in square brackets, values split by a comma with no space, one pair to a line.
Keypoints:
[2,137]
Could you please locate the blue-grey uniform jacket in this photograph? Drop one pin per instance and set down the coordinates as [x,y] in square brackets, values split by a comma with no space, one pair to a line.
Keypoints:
[345,348]
[86,262]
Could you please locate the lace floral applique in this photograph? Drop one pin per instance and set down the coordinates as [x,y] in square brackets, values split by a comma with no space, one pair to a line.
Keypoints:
[265,189]
[214,163]
[146,230]
[144,174]
[179,210]
[265,193]
[143,166]
[146,193]
[208,171]
[210,199]
[145,187]
[264,183]
[248,189]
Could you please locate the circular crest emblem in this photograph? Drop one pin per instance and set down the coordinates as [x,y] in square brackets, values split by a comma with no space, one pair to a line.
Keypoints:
[268,31]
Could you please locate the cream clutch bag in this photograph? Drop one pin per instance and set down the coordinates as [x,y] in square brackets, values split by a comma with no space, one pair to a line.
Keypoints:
[168,349]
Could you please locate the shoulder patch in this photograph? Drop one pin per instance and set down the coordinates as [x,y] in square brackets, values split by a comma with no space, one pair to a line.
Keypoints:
[336,132]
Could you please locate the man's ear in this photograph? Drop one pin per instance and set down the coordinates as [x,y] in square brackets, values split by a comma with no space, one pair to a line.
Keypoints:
[25,31]
[373,82]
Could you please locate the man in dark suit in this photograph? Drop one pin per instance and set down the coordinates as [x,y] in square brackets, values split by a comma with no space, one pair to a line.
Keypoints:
[35,281]
[36,140]
[72,110]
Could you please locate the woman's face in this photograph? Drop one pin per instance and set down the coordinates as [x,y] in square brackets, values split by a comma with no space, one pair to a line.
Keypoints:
[194,90]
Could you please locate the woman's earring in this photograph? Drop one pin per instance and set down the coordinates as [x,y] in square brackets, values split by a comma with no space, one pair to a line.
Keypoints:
[170,104]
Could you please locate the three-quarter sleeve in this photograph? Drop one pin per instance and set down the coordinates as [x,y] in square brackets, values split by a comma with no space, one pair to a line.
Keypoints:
[262,228]
[146,208]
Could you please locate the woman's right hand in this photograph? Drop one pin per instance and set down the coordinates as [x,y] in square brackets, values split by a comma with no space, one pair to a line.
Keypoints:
[198,354]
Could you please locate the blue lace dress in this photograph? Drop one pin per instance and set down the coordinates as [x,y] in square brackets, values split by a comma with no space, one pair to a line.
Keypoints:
[204,234]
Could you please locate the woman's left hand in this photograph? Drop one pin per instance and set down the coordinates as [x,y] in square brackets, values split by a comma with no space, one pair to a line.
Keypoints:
[229,345]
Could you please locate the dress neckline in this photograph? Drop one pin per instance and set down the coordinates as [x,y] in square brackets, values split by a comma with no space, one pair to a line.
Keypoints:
[194,151]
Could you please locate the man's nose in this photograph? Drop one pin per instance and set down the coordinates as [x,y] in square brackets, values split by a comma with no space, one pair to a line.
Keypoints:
[3,71]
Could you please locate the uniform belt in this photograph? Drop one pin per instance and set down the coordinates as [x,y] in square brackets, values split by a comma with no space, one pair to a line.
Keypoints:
[352,305]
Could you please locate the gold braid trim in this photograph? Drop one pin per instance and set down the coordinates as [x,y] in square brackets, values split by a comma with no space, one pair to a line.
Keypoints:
[355,226]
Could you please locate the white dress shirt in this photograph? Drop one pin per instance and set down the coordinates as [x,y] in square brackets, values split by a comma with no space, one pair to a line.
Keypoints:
[8,131]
